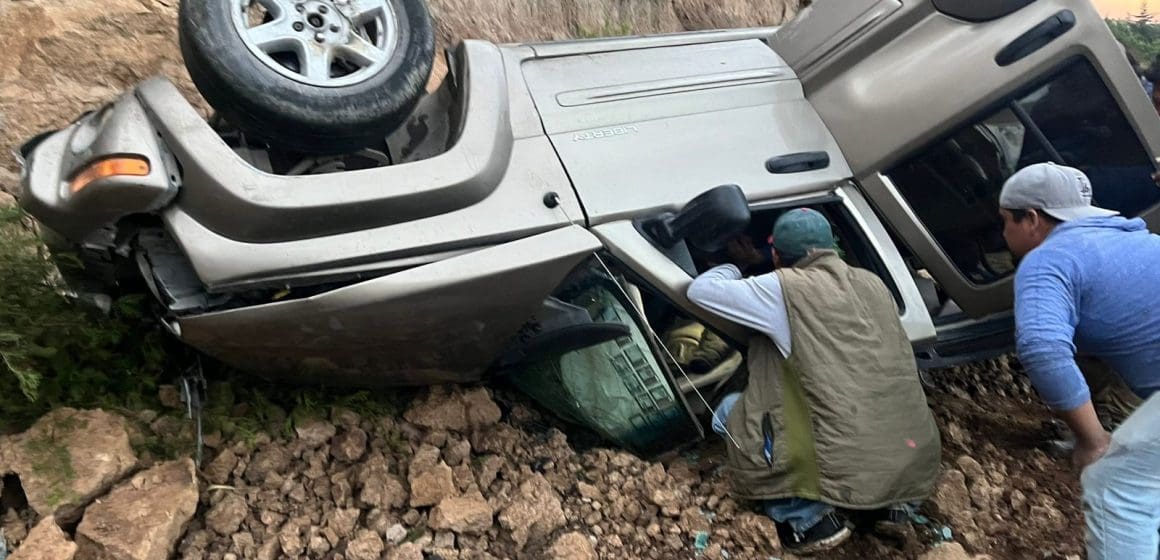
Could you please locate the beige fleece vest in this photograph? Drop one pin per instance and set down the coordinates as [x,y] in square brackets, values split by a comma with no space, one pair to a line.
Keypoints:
[846,412]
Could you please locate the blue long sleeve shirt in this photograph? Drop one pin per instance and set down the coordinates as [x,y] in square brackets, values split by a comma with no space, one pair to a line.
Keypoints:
[1093,286]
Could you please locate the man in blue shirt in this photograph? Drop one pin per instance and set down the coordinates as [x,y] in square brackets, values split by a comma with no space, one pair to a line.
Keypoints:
[1089,282]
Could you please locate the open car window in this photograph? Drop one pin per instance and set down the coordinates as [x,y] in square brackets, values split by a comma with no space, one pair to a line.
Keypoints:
[1069,117]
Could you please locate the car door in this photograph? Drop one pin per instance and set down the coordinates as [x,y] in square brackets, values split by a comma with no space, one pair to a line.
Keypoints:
[936,102]
[866,243]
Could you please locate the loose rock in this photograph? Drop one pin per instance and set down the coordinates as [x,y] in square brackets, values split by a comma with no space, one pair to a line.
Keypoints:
[315,433]
[226,517]
[342,521]
[45,542]
[951,499]
[142,518]
[950,551]
[469,514]
[395,534]
[572,546]
[170,396]
[456,413]
[430,487]
[535,512]
[366,545]
[407,551]
[971,468]
[350,445]
[68,458]
[218,470]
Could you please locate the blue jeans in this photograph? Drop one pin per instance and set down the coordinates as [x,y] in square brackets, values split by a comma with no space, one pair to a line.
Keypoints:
[799,513]
[1121,491]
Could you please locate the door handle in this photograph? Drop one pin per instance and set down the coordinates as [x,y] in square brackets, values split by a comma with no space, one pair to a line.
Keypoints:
[797,163]
[1036,38]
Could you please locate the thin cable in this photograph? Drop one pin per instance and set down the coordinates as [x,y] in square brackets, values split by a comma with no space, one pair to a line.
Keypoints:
[648,327]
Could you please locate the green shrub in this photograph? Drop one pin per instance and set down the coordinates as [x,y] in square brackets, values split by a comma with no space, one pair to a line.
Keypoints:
[55,351]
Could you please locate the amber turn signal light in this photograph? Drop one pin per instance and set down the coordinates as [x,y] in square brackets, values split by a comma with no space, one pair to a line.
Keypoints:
[134,166]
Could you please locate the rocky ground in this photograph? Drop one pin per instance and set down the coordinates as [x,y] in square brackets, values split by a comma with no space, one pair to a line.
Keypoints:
[461,476]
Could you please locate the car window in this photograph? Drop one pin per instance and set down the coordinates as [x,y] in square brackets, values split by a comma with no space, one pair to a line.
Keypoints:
[617,388]
[1071,118]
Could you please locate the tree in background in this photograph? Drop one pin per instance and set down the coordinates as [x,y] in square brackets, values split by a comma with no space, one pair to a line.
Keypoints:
[1143,18]
[1139,35]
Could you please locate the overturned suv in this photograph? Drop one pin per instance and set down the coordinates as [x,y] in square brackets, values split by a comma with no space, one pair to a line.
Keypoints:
[540,214]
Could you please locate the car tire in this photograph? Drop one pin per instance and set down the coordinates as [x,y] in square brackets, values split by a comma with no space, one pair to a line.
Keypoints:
[275,83]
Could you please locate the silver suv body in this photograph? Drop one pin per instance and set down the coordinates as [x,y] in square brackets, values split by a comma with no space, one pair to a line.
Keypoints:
[509,234]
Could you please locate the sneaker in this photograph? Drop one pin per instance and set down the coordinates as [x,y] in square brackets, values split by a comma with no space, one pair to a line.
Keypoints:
[826,534]
[893,521]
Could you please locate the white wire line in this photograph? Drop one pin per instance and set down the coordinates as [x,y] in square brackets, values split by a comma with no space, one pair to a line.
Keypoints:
[643,320]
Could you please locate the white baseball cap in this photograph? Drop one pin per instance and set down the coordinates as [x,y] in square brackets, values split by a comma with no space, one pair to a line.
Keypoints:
[1064,193]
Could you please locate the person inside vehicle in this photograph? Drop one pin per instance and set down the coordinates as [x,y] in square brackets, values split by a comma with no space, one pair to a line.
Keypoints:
[833,419]
[1086,282]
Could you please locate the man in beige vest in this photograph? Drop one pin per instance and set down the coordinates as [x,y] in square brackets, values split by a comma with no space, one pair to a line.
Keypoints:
[833,417]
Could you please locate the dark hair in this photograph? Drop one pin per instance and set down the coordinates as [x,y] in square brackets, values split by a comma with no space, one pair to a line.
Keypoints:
[1020,215]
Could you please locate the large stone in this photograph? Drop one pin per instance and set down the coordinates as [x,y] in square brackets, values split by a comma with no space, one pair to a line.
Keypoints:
[68,458]
[572,546]
[430,487]
[534,513]
[45,542]
[469,514]
[142,518]
[455,412]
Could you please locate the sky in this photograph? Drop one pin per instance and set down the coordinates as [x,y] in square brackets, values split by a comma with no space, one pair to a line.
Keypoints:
[1120,9]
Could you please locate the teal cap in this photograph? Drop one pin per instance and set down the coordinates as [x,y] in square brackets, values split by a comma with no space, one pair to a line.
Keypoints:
[799,230]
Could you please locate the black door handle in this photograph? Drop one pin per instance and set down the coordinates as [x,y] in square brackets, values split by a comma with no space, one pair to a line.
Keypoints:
[1039,36]
[797,163]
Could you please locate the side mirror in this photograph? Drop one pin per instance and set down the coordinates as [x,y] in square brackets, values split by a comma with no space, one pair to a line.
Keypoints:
[707,222]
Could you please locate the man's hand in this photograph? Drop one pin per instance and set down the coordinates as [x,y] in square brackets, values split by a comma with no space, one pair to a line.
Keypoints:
[742,252]
[1087,453]
[1091,439]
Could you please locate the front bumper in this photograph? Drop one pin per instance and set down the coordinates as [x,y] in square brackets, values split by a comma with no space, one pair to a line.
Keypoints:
[52,159]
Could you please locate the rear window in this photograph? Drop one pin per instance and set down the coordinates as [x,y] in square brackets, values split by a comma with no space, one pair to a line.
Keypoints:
[1070,118]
